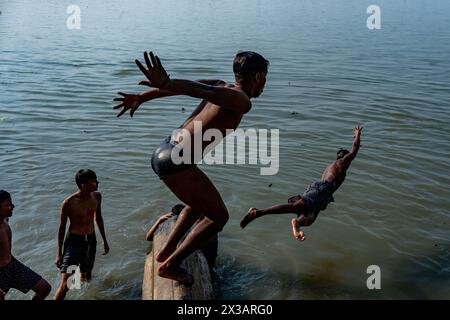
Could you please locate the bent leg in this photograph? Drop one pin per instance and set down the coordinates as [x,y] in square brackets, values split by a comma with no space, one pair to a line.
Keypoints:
[303,220]
[195,189]
[296,207]
[42,290]
[202,232]
[185,221]
[296,232]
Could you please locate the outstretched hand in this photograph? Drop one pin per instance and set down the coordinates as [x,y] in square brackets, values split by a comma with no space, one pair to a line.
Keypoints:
[128,102]
[357,131]
[156,75]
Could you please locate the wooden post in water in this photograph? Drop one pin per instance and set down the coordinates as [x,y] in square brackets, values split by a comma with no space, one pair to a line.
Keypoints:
[157,288]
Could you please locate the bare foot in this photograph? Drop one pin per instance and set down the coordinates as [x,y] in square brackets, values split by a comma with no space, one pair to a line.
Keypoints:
[165,253]
[298,234]
[176,273]
[249,217]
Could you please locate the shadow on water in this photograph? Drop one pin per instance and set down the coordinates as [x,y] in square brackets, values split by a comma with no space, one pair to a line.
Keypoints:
[424,277]
[409,278]
[252,283]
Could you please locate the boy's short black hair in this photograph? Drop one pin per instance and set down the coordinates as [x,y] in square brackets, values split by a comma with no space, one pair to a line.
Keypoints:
[176,210]
[341,153]
[246,64]
[83,176]
[4,195]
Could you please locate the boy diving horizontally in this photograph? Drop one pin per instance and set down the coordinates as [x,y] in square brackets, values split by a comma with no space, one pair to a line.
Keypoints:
[316,197]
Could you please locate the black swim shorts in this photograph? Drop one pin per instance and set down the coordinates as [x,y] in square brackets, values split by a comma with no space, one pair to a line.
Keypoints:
[79,250]
[18,276]
[162,162]
[317,196]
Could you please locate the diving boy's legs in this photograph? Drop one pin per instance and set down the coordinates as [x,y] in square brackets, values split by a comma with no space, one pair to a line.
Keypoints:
[303,220]
[296,207]
[42,290]
[298,234]
[185,221]
[205,200]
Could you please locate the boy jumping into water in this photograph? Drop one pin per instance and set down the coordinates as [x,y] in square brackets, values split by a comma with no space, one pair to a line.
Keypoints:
[223,106]
[14,274]
[316,197]
[80,209]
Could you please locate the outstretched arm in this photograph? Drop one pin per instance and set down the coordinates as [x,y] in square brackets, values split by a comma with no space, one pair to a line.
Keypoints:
[160,93]
[155,226]
[348,158]
[228,98]
[64,214]
[133,101]
[100,224]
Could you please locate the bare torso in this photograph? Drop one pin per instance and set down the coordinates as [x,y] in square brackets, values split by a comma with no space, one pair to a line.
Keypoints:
[335,173]
[5,243]
[82,213]
[212,117]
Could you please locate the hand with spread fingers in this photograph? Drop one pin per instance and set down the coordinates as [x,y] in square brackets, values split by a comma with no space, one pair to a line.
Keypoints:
[128,102]
[156,75]
[357,131]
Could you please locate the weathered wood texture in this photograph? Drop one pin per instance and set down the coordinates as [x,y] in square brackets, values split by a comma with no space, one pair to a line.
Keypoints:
[157,288]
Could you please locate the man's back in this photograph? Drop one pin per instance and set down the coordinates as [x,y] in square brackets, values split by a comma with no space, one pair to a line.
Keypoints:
[212,116]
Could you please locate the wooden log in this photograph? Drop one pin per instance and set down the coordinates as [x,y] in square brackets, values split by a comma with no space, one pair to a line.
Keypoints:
[157,288]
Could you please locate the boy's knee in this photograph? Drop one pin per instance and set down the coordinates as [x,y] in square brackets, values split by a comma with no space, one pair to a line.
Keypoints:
[44,288]
[47,288]
[219,216]
[298,206]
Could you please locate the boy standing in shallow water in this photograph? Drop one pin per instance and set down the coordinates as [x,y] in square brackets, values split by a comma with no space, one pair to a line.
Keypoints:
[80,209]
[14,274]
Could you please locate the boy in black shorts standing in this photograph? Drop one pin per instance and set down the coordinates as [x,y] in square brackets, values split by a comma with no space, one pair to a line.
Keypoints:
[80,244]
